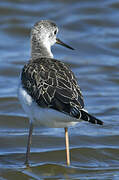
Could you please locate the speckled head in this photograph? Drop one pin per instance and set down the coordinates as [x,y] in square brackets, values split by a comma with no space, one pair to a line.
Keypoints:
[43,36]
[45,31]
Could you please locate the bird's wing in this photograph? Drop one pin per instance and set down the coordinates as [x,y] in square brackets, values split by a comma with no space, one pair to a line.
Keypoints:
[52,84]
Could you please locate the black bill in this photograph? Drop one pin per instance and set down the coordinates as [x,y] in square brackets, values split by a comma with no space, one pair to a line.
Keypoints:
[58,41]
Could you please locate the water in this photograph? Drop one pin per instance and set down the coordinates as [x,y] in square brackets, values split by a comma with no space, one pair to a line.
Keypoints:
[92,28]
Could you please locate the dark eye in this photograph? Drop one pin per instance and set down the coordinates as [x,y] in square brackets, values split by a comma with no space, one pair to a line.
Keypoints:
[55,32]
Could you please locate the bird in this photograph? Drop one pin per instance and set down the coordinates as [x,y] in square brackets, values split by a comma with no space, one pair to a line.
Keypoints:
[48,90]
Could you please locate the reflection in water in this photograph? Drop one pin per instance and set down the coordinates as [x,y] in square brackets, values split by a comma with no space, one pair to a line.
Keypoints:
[92,28]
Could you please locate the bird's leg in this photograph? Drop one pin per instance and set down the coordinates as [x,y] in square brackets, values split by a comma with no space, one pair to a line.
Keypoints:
[67,146]
[29,144]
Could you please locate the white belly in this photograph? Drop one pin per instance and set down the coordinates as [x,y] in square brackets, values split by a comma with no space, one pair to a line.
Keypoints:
[44,116]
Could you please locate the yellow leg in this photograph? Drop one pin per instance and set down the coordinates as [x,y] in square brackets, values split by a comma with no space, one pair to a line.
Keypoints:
[67,146]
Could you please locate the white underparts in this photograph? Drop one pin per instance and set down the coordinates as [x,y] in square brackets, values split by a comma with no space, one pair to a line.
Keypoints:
[44,116]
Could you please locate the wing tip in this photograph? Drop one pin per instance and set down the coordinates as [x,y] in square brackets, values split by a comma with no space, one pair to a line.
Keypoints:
[100,122]
[90,118]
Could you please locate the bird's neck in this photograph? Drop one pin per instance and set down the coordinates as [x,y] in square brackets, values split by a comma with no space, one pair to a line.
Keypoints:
[38,49]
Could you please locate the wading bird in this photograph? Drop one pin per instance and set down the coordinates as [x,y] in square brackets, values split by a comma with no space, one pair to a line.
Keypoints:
[48,90]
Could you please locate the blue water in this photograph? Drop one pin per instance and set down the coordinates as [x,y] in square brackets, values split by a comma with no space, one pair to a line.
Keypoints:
[92,28]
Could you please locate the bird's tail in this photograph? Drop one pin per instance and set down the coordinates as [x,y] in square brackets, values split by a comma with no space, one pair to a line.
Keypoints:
[87,117]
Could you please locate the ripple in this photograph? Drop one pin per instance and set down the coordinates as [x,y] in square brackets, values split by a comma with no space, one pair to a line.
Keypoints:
[92,28]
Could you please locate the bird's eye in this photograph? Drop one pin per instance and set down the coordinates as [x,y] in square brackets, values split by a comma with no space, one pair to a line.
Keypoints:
[55,32]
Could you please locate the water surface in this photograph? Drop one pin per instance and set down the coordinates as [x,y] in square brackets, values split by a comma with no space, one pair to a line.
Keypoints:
[92,28]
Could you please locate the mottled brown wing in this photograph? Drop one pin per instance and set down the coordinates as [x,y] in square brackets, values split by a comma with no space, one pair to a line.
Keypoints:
[52,84]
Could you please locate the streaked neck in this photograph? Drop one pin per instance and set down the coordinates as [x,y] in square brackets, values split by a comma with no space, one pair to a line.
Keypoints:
[38,49]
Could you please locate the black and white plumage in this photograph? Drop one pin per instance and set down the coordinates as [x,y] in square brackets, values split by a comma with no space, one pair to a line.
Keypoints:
[52,84]
[49,91]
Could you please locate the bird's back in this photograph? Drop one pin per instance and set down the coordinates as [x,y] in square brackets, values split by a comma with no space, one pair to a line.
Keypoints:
[52,84]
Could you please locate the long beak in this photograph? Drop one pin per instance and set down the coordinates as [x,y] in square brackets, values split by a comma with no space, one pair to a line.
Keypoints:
[58,41]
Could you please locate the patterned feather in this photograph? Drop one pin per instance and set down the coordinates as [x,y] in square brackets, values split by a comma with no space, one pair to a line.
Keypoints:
[52,84]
